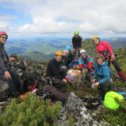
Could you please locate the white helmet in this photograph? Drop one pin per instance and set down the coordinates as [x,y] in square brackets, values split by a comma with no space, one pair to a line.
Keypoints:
[83,51]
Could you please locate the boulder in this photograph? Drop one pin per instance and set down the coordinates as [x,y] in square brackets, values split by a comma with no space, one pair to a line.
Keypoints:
[75,108]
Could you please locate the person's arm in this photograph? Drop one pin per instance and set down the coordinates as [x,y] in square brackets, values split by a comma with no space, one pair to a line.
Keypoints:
[110,49]
[95,70]
[90,63]
[2,65]
[95,75]
[6,73]
[106,74]
[81,64]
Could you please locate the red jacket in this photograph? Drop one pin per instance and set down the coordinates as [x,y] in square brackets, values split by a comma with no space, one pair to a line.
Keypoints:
[104,48]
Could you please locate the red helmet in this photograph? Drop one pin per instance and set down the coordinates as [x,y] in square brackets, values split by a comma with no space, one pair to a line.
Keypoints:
[3,33]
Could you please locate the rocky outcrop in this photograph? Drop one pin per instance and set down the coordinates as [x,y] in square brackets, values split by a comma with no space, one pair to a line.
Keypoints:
[75,108]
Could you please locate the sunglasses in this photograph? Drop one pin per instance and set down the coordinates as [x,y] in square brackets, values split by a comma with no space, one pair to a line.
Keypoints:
[4,37]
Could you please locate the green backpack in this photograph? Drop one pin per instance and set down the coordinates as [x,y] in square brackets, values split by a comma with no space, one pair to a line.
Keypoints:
[110,100]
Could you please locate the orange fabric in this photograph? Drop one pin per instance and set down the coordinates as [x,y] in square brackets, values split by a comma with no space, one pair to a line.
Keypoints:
[82,66]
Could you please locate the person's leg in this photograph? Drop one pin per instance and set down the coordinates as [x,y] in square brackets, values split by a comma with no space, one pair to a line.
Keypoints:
[121,73]
[12,88]
[57,93]
[104,88]
[15,78]
[116,65]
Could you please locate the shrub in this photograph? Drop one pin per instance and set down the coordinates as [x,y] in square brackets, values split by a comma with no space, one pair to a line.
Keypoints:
[30,112]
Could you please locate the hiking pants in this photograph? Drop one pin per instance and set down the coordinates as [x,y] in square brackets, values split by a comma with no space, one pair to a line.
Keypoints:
[115,64]
[104,88]
[13,83]
[59,95]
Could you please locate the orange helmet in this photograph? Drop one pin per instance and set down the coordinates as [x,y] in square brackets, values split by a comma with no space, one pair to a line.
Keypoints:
[59,53]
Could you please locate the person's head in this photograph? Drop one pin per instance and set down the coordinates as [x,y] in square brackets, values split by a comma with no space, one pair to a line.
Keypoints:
[100,59]
[83,53]
[3,37]
[76,34]
[13,57]
[96,39]
[58,56]
[65,52]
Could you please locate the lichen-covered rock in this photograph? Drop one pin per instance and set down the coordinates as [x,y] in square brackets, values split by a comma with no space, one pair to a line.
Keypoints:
[75,108]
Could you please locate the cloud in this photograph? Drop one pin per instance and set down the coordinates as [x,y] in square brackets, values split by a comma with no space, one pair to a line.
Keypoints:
[67,16]
[4,26]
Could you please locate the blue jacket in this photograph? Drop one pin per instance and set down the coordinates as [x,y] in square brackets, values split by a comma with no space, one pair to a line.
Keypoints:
[73,63]
[102,73]
[87,62]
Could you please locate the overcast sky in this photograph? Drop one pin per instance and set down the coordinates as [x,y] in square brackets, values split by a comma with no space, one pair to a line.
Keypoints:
[25,17]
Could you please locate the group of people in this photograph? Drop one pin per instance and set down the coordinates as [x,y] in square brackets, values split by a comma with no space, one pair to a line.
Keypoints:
[76,58]
[98,67]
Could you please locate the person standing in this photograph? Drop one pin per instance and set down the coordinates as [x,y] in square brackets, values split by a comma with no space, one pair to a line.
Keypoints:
[76,42]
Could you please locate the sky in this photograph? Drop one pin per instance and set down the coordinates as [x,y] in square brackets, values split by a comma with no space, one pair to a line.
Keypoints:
[37,17]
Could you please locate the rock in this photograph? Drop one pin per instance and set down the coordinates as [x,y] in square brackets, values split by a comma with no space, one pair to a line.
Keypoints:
[75,108]
[3,90]
[104,123]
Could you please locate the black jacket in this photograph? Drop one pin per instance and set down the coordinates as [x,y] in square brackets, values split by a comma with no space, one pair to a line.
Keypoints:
[68,59]
[4,60]
[77,41]
[54,69]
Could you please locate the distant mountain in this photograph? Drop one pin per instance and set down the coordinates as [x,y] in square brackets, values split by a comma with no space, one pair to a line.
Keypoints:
[37,56]
[118,42]
[44,47]
[16,50]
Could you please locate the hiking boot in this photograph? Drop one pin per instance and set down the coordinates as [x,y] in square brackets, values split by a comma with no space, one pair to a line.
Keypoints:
[39,92]
[122,75]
